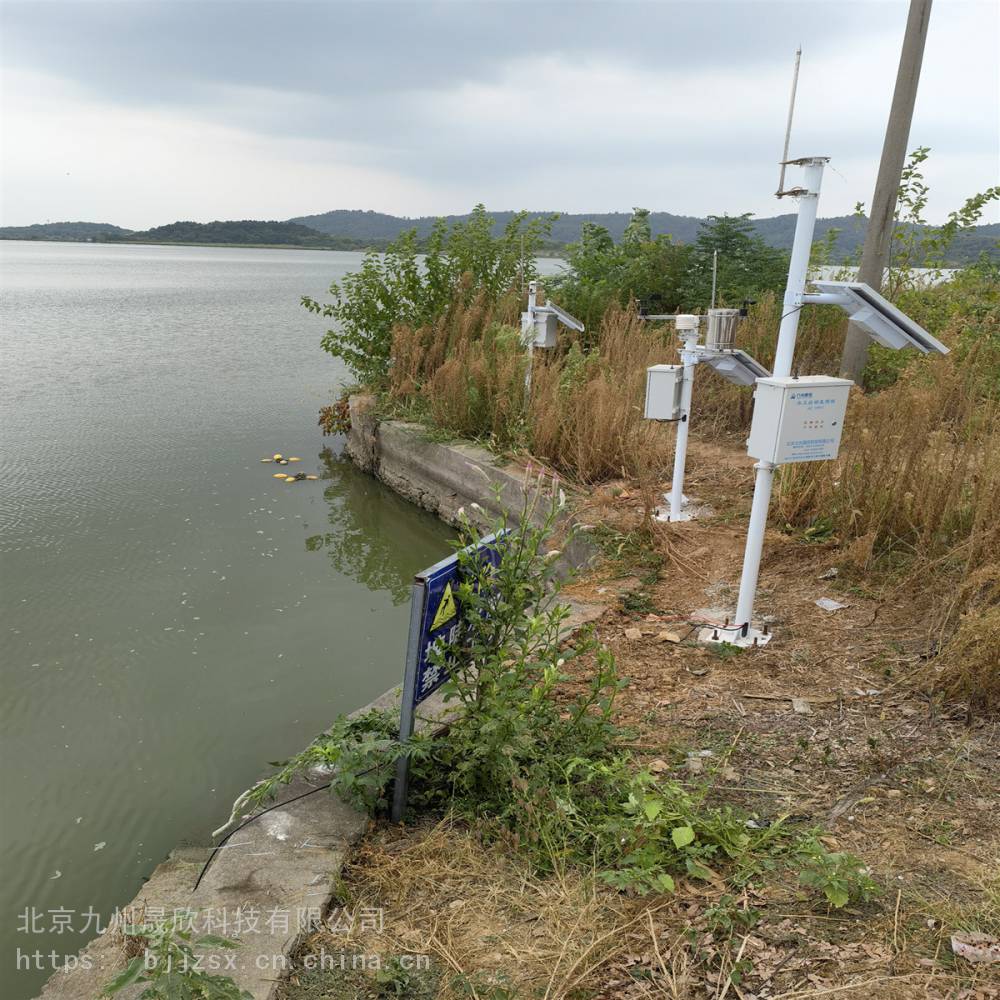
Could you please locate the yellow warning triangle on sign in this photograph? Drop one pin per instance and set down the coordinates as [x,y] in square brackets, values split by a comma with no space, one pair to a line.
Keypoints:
[446,609]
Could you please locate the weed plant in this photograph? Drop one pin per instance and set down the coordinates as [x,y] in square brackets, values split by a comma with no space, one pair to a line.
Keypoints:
[169,967]
[533,756]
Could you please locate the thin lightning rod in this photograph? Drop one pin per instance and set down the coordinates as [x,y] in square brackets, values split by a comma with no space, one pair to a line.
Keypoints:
[788,127]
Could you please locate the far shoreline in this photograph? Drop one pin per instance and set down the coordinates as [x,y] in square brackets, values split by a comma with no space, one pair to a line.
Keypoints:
[554,254]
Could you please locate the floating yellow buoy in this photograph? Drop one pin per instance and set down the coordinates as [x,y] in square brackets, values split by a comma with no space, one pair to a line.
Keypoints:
[292,459]
[312,477]
[277,458]
[278,475]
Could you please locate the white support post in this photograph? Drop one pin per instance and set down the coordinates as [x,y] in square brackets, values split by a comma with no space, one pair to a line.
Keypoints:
[528,335]
[690,359]
[798,267]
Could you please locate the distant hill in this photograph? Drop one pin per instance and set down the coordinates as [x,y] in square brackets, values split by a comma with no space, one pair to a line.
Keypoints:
[778,230]
[61,231]
[245,232]
[348,229]
[566,229]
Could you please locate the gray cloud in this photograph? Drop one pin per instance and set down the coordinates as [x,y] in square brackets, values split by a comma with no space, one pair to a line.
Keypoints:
[179,50]
[458,97]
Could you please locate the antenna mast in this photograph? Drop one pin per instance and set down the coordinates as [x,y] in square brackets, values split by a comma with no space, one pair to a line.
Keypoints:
[780,193]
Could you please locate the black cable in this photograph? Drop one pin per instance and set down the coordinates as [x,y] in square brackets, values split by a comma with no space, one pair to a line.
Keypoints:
[694,628]
[247,822]
[264,812]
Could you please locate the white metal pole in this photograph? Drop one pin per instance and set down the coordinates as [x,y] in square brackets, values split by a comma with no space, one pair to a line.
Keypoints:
[528,336]
[755,544]
[798,267]
[690,359]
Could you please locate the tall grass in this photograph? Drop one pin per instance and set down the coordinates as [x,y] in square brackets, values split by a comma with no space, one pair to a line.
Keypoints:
[586,412]
[465,375]
[916,488]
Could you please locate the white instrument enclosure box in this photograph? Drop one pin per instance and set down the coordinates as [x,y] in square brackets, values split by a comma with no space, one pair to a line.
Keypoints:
[546,330]
[663,391]
[798,419]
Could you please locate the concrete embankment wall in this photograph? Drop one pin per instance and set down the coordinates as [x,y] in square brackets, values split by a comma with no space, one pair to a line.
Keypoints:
[283,868]
[441,478]
[444,478]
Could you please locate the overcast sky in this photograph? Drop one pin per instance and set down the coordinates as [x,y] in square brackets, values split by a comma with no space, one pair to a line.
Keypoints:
[140,113]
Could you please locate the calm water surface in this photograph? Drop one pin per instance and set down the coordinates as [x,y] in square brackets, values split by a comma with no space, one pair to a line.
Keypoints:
[172,616]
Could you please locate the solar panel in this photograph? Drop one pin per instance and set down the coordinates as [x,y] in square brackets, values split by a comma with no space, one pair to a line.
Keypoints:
[736,366]
[877,316]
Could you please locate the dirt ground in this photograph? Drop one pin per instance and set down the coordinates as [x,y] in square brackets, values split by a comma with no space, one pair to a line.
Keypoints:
[823,726]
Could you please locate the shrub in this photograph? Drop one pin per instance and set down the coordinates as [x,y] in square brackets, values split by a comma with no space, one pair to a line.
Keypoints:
[169,966]
[412,285]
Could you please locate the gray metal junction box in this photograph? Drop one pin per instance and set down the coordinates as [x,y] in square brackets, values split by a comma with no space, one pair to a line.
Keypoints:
[798,419]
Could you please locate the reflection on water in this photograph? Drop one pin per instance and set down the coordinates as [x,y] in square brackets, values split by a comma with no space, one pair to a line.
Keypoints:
[361,543]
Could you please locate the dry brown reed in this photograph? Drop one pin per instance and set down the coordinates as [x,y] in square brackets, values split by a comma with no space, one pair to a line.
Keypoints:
[917,484]
[969,667]
[465,374]
[551,937]
[586,415]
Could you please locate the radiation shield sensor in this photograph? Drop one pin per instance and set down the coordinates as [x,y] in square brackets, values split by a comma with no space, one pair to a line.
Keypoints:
[876,315]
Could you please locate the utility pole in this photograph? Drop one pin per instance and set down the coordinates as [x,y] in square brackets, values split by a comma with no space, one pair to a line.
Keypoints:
[875,256]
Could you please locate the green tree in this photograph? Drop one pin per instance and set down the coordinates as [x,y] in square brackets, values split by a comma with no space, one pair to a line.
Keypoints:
[638,230]
[640,267]
[413,285]
[747,265]
[915,243]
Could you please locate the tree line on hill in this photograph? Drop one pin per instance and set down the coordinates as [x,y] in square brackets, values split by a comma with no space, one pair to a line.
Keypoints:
[366,230]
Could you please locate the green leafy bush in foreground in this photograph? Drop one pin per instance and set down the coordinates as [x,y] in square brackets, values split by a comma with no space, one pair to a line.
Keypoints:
[170,967]
[541,767]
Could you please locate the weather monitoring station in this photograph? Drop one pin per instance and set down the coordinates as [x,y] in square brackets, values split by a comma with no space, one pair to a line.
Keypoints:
[669,388]
[796,418]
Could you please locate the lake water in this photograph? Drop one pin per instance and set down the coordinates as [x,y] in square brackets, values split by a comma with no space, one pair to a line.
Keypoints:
[172,616]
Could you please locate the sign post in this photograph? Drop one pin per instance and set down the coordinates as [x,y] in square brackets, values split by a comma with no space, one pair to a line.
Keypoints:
[435,614]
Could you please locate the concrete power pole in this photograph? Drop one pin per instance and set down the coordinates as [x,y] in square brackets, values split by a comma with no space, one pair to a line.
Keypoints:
[875,255]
